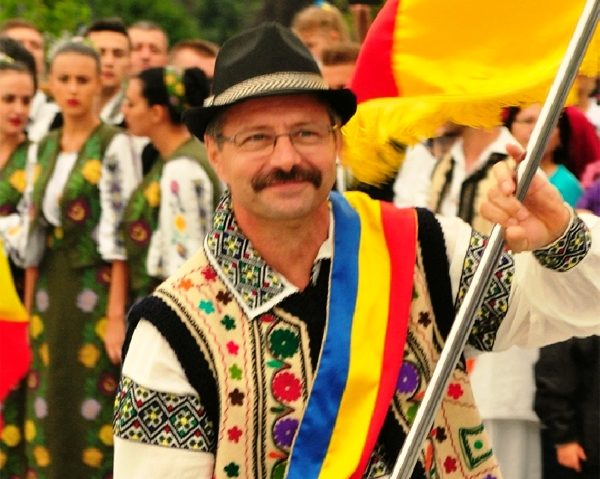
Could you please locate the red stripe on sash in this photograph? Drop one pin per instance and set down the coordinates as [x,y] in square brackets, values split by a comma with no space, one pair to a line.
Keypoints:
[400,229]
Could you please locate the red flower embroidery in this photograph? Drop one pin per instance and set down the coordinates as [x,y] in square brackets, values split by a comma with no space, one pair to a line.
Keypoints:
[234,434]
[209,273]
[267,318]
[232,348]
[78,210]
[450,464]
[107,384]
[455,391]
[286,387]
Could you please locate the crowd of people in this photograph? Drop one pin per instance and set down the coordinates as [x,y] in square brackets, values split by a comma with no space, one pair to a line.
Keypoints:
[202,302]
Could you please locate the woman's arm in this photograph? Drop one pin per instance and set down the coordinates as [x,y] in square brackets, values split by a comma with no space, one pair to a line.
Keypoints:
[115,311]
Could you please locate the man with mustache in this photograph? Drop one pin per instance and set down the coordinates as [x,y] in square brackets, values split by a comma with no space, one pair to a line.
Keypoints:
[299,341]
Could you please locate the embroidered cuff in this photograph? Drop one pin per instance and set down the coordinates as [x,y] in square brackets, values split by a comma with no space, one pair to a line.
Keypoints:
[162,419]
[568,250]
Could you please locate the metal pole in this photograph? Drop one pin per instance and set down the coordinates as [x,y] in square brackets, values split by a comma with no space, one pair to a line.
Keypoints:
[464,320]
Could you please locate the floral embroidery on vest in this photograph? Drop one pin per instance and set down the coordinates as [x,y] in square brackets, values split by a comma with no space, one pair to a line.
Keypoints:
[12,180]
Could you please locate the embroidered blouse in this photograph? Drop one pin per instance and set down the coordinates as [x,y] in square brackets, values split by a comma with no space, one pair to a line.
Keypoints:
[529,319]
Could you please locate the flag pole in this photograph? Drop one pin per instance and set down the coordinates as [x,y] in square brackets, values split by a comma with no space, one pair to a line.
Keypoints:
[463,322]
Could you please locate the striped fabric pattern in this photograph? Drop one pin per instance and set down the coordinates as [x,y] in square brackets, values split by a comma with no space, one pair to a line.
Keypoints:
[374,257]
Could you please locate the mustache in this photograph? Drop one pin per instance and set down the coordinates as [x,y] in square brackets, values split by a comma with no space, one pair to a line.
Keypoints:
[297,173]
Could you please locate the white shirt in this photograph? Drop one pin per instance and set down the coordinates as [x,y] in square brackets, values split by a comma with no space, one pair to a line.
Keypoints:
[449,206]
[540,312]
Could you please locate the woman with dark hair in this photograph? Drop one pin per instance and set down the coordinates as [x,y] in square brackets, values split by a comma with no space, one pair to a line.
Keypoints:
[75,282]
[17,87]
[560,160]
[170,211]
[16,91]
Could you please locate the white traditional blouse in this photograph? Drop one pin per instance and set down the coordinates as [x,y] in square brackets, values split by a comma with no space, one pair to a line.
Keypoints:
[120,173]
[184,218]
[545,306]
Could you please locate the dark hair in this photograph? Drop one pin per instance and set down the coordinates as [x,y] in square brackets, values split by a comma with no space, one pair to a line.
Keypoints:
[112,24]
[79,47]
[561,154]
[20,55]
[154,90]
[202,47]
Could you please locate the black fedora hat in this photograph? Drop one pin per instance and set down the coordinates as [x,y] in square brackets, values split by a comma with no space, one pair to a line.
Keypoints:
[264,61]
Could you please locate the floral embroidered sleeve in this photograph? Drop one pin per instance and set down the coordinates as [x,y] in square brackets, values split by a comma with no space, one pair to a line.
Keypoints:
[185,216]
[24,242]
[160,424]
[120,175]
[535,298]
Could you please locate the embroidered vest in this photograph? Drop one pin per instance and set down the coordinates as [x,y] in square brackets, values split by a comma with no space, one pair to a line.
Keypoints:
[12,180]
[141,215]
[80,202]
[472,193]
[264,376]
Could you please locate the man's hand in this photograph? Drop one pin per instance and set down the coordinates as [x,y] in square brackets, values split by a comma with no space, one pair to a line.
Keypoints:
[570,455]
[542,217]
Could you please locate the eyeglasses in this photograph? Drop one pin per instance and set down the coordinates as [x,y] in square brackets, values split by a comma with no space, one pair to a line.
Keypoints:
[304,138]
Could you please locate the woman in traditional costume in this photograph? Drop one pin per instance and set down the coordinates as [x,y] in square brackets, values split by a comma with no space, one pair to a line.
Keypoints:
[75,281]
[171,210]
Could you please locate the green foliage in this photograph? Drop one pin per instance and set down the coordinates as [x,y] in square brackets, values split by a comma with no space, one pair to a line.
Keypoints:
[214,20]
[53,17]
[169,14]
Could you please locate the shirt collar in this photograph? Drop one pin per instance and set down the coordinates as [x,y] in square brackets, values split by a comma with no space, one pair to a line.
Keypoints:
[256,286]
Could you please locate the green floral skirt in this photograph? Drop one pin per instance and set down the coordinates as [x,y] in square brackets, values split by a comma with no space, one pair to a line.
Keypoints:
[70,389]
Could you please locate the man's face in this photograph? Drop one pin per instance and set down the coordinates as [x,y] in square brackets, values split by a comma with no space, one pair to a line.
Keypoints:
[184,58]
[114,57]
[284,182]
[148,49]
[33,41]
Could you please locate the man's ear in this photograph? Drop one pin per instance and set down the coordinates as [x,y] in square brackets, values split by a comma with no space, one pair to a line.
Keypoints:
[158,113]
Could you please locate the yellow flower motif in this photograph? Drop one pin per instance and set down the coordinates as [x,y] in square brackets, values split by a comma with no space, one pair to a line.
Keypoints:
[2,460]
[44,354]
[92,171]
[41,456]
[92,457]
[17,180]
[152,194]
[178,89]
[180,223]
[170,78]
[58,232]
[11,436]
[29,430]
[36,171]
[36,326]
[106,435]
[101,328]
[89,355]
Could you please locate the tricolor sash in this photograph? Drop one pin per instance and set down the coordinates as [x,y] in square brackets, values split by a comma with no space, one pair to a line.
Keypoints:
[371,289]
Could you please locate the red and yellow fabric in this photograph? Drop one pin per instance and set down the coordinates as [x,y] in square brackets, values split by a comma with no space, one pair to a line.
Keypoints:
[428,62]
[371,289]
[14,348]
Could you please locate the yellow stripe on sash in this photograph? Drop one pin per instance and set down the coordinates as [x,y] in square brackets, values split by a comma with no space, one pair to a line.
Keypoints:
[367,343]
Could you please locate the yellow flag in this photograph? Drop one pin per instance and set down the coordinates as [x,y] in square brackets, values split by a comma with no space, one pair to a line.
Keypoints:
[428,62]
[11,307]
